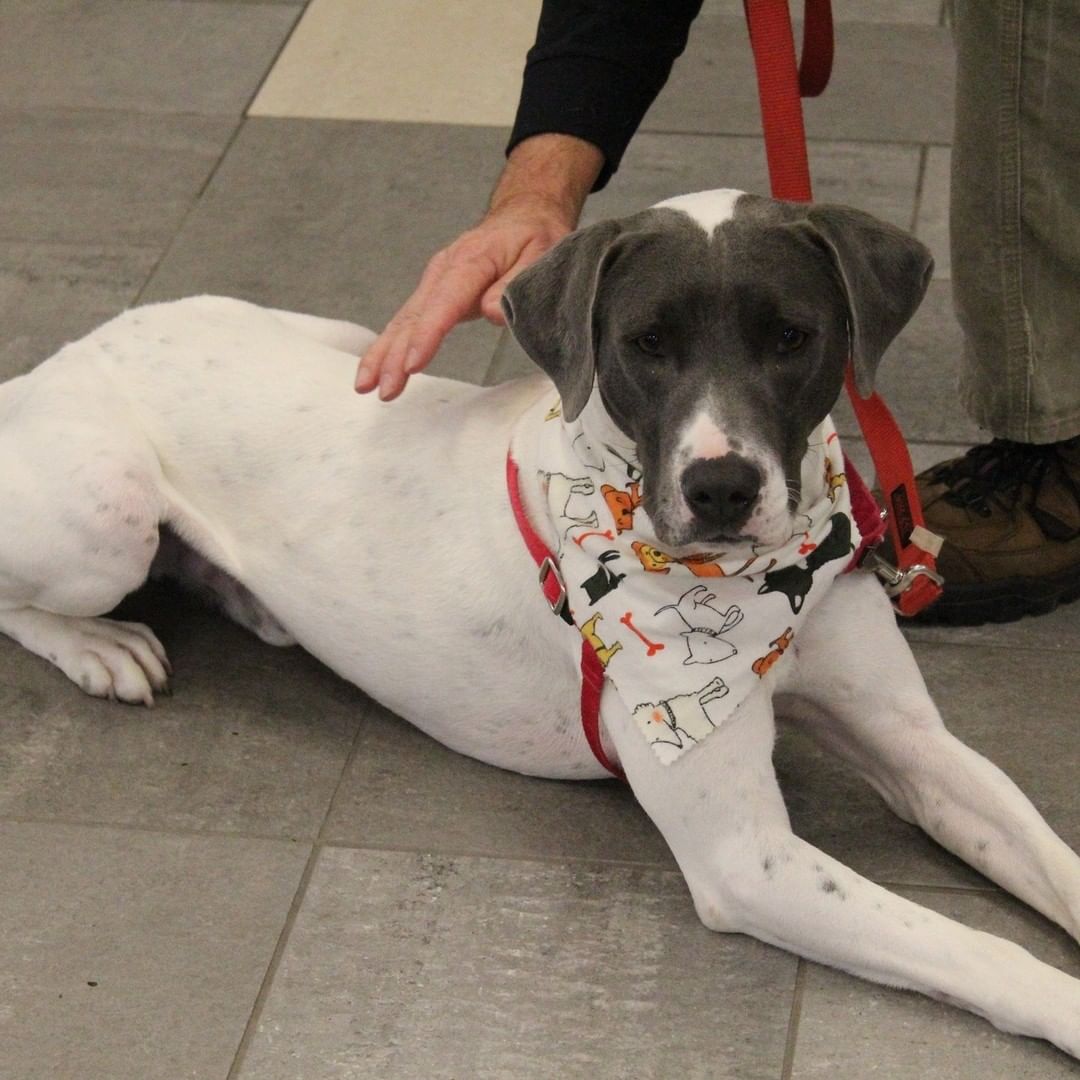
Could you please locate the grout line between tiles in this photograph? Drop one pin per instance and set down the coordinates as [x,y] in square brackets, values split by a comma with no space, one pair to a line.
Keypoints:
[793,1022]
[275,961]
[302,10]
[167,249]
[156,830]
[906,144]
[321,842]
[272,967]
[920,184]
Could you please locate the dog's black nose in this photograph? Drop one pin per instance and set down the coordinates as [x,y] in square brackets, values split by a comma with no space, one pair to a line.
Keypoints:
[721,491]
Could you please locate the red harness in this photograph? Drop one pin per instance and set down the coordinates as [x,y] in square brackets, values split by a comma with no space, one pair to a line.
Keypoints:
[863,508]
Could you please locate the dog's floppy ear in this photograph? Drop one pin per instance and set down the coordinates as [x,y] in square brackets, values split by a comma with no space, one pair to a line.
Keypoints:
[549,309]
[885,273]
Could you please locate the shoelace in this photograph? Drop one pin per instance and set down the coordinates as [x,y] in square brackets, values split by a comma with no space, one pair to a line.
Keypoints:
[997,472]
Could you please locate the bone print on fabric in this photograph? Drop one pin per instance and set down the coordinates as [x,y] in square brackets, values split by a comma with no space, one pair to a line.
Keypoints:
[679,616]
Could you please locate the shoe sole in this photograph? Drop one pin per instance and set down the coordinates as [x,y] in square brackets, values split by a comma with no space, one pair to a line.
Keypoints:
[1001,601]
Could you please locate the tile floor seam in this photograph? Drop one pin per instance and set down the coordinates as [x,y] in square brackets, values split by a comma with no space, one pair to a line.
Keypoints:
[495,856]
[499,856]
[75,244]
[920,183]
[192,206]
[267,984]
[152,830]
[905,144]
[560,860]
[1006,646]
[793,1021]
[301,11]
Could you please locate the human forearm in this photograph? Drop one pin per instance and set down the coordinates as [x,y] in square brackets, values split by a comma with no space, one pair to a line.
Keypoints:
[551,171]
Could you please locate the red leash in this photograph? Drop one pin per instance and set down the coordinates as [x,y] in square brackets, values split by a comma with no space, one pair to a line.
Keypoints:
[914,582]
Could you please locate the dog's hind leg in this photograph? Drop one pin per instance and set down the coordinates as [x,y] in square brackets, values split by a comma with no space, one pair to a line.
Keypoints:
[79,516]
[885,725]
[721,812]
[181,563]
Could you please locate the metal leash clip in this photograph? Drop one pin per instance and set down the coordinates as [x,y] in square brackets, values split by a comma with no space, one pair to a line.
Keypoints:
[895,580]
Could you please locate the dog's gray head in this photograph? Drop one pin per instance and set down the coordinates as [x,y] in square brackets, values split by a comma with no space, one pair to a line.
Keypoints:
[715,329]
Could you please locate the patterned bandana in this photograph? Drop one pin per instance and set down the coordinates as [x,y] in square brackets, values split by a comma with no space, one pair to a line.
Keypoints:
[684,640]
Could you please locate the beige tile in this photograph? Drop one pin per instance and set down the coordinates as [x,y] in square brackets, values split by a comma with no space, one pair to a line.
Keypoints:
[425,60]
[406,966]
[850,1029]
[133,955]
[932,224]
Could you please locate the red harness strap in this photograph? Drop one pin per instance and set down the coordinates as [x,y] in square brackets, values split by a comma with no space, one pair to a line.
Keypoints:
[867,515]
[913,582]
[551,582]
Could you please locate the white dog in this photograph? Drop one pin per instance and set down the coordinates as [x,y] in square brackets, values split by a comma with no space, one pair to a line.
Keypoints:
[698,348]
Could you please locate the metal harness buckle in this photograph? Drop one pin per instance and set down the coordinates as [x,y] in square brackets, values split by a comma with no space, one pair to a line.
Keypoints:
[895,580]
[548,567]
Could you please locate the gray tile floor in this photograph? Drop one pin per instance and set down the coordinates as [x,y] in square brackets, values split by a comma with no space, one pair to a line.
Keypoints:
[269,875]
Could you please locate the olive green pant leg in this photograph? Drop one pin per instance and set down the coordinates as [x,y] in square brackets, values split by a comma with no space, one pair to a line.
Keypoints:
[1015,215]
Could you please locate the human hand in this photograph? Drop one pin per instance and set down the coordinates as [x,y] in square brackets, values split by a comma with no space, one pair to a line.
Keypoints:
[536,202]
[462,281]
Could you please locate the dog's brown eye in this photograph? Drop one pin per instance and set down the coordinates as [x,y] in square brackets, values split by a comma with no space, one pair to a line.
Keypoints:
[791,340]
[649,344]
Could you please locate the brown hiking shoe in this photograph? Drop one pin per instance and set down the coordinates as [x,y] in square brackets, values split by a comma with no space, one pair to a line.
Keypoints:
[1010,516]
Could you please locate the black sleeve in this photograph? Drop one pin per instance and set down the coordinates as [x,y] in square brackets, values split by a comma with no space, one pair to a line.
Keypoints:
[596,67]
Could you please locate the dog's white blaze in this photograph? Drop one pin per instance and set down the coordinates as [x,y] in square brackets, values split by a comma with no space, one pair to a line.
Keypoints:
[702,439]
[707,208]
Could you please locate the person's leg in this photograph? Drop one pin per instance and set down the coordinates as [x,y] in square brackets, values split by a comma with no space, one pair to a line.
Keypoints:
[1010,511]
[1016,215]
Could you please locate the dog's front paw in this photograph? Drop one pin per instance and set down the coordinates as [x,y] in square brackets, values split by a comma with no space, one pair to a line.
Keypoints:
[121,661]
